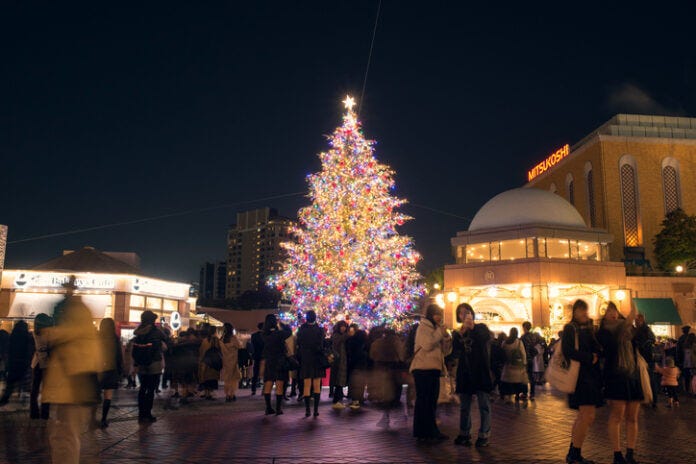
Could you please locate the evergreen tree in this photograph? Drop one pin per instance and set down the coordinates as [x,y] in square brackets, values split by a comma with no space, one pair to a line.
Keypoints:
[675,244]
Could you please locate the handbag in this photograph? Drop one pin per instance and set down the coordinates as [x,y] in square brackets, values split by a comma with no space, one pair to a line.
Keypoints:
[561,373]
[642,366]
[445,395]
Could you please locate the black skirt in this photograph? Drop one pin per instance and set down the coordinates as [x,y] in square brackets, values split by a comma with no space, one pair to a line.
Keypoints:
[588,390]
[274,370]
[623,388]
[109,380]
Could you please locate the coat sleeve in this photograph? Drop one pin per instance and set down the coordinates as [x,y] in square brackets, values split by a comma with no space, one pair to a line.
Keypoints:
[427,339]
[568,347]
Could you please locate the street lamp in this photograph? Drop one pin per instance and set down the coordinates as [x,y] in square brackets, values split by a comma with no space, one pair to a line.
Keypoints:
[452,297]
[620,295]
[679,269]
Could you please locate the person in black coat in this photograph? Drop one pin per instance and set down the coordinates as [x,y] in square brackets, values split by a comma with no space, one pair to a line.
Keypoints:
[112,357]
[588,390]
[19,354]
[472,342]
[356,352]
[256,351]
[275,368]
[310,343]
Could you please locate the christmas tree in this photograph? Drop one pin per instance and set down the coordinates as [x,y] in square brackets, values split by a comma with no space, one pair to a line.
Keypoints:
[348,261]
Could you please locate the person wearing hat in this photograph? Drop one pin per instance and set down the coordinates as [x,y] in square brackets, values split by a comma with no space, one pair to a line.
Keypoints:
[148,344]
[432,344]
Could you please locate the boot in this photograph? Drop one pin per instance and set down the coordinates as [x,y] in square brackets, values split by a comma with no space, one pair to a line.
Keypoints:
[629,456]
[269,409]
[316,397]
[306,403]
[279,402]
[618,458]
[105,411]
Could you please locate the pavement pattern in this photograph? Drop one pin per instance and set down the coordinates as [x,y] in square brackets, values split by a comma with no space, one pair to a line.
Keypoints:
[211,432]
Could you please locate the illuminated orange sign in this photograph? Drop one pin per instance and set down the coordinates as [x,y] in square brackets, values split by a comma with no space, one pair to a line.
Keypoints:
[553,159]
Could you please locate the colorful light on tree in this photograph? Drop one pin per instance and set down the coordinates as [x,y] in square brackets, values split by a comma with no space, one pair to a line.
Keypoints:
[348,259]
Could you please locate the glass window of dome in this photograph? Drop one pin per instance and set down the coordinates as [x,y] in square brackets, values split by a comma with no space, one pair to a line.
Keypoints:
[553,248]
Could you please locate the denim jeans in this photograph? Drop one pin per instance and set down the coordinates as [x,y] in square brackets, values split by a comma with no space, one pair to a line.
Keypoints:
[484,404]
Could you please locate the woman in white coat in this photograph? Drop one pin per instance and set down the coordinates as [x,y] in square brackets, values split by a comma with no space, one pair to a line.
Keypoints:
[432,344]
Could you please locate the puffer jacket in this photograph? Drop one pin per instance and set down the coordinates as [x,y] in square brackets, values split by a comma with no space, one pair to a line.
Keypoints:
[431,346]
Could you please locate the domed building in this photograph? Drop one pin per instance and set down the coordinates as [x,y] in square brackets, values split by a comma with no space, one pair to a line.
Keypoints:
[527,255]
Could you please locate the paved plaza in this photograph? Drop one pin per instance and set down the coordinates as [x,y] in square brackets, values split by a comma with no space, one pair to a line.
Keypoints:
[238,432]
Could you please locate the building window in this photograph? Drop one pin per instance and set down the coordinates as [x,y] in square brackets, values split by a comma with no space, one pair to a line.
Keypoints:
[670,184]
[629,201]
[591,207]
[570,188]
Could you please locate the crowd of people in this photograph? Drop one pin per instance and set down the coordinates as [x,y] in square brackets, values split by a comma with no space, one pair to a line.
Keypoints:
[435,364]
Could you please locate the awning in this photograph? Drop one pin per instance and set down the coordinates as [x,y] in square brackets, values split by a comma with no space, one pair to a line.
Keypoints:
[658,310]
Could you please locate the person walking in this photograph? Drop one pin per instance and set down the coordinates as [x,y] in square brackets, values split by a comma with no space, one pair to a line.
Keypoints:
[356,352]
[310,343]
[39,364]
[388,354]
[670,381]
[432,344]
[339,368]
[19,355]
[514,378]
[147,358]
[689,362]
[474,376]
[274,352]
[622,386]
[256,348]
[578,343]
[534,346]
[210,362]
[230,374]
[112,365]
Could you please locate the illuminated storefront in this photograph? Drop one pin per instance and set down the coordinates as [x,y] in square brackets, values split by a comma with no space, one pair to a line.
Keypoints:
[121,293]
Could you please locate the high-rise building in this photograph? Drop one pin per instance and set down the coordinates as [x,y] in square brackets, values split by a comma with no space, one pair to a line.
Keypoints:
[253,249]
[213,280]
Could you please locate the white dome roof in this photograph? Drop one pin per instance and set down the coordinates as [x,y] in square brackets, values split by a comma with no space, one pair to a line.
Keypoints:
[526,206]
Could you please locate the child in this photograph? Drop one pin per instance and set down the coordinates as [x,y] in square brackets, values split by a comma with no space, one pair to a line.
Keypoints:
[670,374]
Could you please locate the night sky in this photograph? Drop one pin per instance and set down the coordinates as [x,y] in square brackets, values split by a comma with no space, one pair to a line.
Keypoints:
[112,113]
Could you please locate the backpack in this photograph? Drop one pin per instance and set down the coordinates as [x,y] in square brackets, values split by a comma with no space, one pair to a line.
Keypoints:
[143,351]
[213,358]
[516,356]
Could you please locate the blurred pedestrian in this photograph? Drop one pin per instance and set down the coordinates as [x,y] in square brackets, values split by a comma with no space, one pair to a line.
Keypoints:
[19,355]
[256,348]
[474,376]
[356,352]
[579,343]
[388,354]
[230,374]
[112,365]
[534,346]
[339,368]
[514,378]
[39,363]
[432,344]
[4,346]
[644,340]
[275,371]
[148,345]
[128,368]
[310,343]
[622,385]
[670,381]
[210,361]
[185,364]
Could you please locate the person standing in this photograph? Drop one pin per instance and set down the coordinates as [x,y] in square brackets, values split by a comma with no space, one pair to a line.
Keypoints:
[210,361]
[310,343]
[670,381]
[39,364]
[622,386]
[230,362]
[534,346]
[432,344]
[588,390]
[339,368]
[274,352]
[256,348]
[147,358]
[645,339]
[514,376]
[112,367]
[356,351]
[388,354]
[474,376]
[19,355]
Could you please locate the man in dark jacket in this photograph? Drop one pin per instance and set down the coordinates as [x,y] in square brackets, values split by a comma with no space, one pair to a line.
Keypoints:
[474,377]
[356,350]
[531,340]
[256,355]
[148,346]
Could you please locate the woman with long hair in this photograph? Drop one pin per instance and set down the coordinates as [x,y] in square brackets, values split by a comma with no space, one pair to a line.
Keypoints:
[230,367]
[275,371]
[339,368]
[622,387]
[208,371]
[514,376]
[588,390]
[112,367]
[310,343]
[432,344]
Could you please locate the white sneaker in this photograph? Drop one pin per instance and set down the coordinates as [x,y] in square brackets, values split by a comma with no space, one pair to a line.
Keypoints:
[338,406]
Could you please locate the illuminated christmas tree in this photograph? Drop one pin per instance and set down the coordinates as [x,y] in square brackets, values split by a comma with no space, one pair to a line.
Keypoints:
[348,261]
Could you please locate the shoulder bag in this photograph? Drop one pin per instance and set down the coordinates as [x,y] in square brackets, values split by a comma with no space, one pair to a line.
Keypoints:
[563,373]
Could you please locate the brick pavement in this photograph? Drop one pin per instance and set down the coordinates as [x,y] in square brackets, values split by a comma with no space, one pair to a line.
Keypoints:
[218,432]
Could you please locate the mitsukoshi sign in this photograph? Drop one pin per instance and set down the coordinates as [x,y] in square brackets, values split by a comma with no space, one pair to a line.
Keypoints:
[553,159]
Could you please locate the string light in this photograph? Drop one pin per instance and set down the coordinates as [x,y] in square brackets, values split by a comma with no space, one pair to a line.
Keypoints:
[347,256]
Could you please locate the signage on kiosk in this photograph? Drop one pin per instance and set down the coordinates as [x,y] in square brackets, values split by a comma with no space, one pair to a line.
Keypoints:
[175,320]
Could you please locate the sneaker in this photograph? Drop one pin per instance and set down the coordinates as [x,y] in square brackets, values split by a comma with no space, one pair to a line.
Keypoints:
[481,442]
[462,440]
[338,406]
